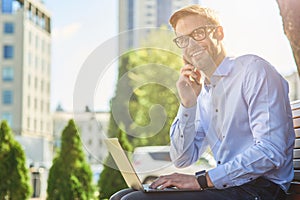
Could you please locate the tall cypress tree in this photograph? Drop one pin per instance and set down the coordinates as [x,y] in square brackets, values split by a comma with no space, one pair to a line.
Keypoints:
[70,176]
[14,176]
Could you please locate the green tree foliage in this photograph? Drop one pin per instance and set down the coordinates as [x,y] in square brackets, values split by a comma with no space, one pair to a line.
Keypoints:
[111,179]
[14,176]
[70,176]
[147,78]
[149,74]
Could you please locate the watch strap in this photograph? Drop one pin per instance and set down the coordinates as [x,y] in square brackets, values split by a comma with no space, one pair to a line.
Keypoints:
[201,178]
[202,181]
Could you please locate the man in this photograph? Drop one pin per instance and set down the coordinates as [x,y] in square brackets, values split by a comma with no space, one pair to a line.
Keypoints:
[239,107]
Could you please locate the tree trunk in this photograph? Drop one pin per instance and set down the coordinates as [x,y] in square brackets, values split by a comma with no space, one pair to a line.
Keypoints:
[290,13]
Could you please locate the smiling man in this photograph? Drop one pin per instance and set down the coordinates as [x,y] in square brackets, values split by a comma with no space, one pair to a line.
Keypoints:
[236,106]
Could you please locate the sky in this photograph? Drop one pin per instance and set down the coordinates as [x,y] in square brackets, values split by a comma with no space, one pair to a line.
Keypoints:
[78,28]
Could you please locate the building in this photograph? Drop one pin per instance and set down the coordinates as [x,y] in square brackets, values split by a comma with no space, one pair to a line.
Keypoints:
[93,127]
[25,49]
[138,15]
[25,54]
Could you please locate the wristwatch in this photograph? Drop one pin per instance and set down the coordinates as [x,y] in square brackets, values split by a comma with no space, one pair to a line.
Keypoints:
[201,178]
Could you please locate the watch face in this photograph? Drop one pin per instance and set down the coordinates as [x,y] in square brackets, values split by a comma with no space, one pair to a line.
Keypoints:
[200,173]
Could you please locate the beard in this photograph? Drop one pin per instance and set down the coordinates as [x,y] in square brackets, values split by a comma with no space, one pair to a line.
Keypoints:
[205,63]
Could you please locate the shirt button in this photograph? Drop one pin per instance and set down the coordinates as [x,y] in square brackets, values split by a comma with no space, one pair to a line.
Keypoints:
[186,115]
[224,185]
[217,110]
[219,162]
[181,136]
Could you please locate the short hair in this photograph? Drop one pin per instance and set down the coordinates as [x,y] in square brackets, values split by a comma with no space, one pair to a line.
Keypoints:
[195,9]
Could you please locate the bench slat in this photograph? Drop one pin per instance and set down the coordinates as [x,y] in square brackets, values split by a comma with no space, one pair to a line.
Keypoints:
[297,143]
[296,153]
[297,132]
[296,163]
[296,175]
[294,190]
[296,113]
[295,104]
[296,122]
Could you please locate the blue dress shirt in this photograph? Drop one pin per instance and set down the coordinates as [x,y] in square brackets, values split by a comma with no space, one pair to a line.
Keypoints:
[244,116]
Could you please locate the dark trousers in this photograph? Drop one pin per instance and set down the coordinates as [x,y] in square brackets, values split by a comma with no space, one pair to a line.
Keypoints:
[259,189]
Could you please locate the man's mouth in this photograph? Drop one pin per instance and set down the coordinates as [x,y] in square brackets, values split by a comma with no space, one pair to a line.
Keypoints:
[198,52]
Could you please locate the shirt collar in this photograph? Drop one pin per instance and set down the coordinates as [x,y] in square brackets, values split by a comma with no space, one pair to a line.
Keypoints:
[222,70]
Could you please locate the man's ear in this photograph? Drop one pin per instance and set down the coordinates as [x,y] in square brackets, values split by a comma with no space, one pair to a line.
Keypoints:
[219,34]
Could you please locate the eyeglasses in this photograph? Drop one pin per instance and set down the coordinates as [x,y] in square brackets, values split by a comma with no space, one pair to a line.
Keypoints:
[197,34]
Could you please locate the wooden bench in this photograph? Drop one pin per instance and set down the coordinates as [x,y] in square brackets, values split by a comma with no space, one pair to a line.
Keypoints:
[294,191]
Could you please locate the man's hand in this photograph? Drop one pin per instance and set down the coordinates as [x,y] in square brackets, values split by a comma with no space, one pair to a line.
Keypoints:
[188,85]
[180,181]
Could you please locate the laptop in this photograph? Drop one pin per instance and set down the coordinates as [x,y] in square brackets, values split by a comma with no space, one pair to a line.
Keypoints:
[128,172]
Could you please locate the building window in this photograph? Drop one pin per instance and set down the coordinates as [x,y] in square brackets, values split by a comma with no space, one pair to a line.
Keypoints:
[42,85]
[35,103]
[28,122]
[49,48]
[7,6]
[7,97]
[149,15]
[35,83]
[43,45]
[36,62]
[36,41]
[42,106]
[7,74]
[28,101]
[29,37]
[29,58]
[9,27]
[8,117]
[10,6]
[29,80]
[8,51]
[34,124]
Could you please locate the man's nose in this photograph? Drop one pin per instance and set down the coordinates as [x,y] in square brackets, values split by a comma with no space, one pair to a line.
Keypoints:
[192,42]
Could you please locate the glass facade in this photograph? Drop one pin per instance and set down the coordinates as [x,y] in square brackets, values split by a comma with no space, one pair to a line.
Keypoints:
[164,11]
[10,6]
[8,51]
[7,74]
[8,117]
[130,21]
[7,6]
[9,28]
[7,97]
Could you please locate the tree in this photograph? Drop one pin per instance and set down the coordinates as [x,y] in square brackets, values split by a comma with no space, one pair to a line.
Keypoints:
[14,176]
[111,179]
[290,13]
[147,78]
[70,176]
[146,100]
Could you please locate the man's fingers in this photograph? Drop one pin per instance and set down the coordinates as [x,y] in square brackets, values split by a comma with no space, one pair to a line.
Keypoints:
[158,182]
[162,182]
[191,72]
